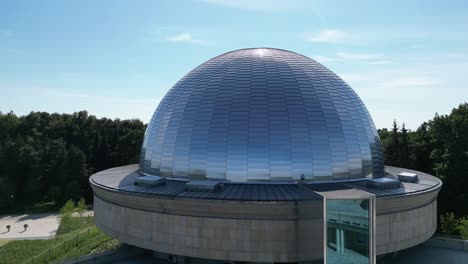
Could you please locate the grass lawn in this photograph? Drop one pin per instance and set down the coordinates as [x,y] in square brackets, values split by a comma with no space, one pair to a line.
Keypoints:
[3,242]
[79,236]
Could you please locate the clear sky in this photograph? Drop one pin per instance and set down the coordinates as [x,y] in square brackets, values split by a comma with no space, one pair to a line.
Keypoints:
[406,59]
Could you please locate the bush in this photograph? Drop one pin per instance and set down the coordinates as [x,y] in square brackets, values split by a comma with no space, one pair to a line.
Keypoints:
[69,222]
[449,224]
[68,208]
[463,227]
[81,207]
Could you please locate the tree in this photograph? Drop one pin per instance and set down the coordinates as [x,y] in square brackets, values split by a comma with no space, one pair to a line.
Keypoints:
[66,214]
[463,227]
[81,207]
[68,208]
[404,157]
[450,157]
[449,224]
[421,147]
[49,157]
[392,146]
[438,147]
[74,173]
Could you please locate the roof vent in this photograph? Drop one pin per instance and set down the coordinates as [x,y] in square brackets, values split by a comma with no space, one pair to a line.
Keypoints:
[203,186]
[383,183]
[150,181]
[408,177]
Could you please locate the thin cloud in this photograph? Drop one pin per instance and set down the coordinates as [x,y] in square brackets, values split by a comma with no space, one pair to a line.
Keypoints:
[414,81]
[323,59]
[256,5]
[358,56]
[173,34]
[62,100]
[349,57]
[327,36]
[379,62]
[182,38]
[109,99]
[353,77]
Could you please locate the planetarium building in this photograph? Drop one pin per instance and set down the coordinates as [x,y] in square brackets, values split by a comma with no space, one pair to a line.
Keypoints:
[264,155]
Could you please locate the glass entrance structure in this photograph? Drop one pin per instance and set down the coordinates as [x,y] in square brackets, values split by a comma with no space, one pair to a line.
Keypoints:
[349,231]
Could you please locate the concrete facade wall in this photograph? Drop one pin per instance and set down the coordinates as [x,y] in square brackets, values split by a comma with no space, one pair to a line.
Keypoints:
[310,231]
[401,230]
[255,240]
[251,231]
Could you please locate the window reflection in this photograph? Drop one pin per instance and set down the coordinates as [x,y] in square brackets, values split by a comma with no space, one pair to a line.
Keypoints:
[348,231]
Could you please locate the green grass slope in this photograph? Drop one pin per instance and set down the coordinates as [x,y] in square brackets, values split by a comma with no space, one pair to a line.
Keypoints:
[78,236]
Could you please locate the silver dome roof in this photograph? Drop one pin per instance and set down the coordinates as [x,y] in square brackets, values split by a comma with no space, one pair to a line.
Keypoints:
[262,115]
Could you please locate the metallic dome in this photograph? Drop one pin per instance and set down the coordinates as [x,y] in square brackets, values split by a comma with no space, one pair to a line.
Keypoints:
[262,115]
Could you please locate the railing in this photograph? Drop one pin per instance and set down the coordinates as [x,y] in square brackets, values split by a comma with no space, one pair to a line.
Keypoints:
[347,218]
[47,253]
[125,252]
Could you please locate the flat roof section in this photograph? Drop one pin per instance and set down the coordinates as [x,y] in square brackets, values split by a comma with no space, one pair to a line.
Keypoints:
[122,179]
[426,182]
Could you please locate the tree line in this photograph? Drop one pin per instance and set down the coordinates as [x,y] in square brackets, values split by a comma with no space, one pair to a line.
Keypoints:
[438,147]
[49,157]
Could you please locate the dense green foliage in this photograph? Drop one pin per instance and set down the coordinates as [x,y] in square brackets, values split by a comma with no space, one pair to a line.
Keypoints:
[438,147]
[463,227]
[448,223]
[48,157]
[451,225]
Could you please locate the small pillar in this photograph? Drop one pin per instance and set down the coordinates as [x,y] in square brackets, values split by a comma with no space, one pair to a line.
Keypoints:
[339,240]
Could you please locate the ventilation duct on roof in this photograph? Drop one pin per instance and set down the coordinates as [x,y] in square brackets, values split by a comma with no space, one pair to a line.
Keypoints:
[408,177]
[203,186]
[150,181]
[383,183]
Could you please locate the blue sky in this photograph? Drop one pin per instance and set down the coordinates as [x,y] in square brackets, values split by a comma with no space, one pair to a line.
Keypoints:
[406,59]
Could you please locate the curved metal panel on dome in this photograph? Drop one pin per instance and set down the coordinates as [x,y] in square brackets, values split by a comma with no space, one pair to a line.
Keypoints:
[262,115]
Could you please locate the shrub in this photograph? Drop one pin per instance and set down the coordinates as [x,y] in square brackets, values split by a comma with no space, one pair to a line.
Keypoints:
[463,227]
[449,224]
[81,207]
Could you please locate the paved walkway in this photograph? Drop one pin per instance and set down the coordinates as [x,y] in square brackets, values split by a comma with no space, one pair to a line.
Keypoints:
[427,255]
[348,257]
[40,226]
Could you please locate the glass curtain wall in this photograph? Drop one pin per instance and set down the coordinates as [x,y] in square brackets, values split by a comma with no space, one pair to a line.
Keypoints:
[348,231]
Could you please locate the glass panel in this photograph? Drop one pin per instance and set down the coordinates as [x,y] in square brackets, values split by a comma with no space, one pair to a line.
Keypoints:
[348,231]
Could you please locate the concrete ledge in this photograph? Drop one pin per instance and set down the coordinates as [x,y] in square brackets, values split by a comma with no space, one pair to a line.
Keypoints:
[286,210]
[401,203]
